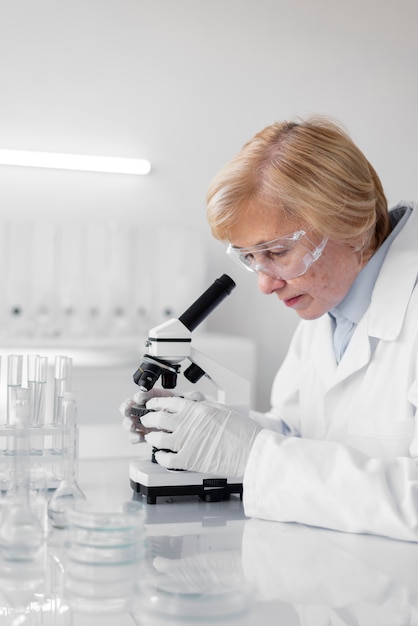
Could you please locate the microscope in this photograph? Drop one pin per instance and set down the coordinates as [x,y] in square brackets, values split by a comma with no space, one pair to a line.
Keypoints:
[168,346]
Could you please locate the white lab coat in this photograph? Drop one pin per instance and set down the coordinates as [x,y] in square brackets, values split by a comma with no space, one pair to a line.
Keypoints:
[349,460]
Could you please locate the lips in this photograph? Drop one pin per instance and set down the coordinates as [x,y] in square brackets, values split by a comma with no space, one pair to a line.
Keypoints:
[290,302]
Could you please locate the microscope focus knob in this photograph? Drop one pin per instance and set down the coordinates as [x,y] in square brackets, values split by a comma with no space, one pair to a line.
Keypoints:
[193,373]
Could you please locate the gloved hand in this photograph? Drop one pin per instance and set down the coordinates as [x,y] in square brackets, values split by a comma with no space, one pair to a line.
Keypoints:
[140,399]
[207,438]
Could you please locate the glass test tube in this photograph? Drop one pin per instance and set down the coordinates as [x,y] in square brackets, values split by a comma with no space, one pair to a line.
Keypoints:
[21,533]
[14,383]
[32,365]
[37,378]
[37,374]
[62,383]
[3,408]
[3,467]
[2,413]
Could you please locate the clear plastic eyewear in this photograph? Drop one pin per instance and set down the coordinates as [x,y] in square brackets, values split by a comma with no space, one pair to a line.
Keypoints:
[283,259]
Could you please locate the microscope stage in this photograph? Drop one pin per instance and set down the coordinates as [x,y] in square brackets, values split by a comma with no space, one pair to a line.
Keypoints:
[153,480]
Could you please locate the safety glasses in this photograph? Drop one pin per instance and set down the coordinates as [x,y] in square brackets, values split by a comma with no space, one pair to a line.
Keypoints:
[283,259]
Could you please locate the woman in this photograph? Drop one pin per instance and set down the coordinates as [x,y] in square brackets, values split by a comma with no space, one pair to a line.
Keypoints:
[302,208]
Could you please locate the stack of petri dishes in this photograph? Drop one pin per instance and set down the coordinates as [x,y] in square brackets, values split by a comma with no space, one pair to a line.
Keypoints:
[105,554]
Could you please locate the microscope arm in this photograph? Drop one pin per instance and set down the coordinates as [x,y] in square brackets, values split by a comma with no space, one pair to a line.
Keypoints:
[232,389]
[171,342]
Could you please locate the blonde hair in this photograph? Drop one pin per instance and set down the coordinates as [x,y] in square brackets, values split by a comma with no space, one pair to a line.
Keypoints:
[312,171]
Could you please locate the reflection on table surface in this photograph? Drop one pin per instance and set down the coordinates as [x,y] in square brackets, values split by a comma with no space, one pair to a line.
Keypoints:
[192,562]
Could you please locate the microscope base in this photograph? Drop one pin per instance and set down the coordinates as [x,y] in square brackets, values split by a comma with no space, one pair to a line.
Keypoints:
[152,481]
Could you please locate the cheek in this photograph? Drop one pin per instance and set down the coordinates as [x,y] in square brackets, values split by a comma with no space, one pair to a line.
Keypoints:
[317,302]
[328,285]
[327,281]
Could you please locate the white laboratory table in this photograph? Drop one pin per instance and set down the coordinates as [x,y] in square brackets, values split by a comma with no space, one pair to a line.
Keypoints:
[206,563]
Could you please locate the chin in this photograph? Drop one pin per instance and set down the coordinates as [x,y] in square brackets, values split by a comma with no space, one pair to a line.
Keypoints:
[310,315]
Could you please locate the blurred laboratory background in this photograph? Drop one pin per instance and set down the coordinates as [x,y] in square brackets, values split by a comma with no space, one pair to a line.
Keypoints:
[90,261]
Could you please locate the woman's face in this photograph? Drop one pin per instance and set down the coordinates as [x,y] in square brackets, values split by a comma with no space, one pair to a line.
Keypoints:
[324,284]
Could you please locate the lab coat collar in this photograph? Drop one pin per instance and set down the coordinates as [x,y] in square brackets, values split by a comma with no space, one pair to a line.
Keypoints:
[357,301]
[387,309]
[395,282]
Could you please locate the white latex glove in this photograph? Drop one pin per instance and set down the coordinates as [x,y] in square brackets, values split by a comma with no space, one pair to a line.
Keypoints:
[204,437]
[141,398]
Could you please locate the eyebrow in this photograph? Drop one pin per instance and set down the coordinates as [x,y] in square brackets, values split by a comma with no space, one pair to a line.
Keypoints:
[249,247]
[263,243]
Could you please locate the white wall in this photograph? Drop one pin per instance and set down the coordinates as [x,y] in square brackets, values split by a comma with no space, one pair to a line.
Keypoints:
[185,83]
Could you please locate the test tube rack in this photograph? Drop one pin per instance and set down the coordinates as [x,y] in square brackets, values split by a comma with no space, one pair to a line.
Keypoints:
[47,434]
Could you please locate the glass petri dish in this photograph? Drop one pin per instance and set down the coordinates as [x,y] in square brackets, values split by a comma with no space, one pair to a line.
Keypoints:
[205,606]
[115,529]
[105,537]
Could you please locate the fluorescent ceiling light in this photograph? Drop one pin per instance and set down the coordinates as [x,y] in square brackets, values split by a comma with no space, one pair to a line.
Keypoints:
[55,160]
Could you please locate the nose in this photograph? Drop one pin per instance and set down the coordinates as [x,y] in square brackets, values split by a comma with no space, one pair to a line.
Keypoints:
[267,284]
